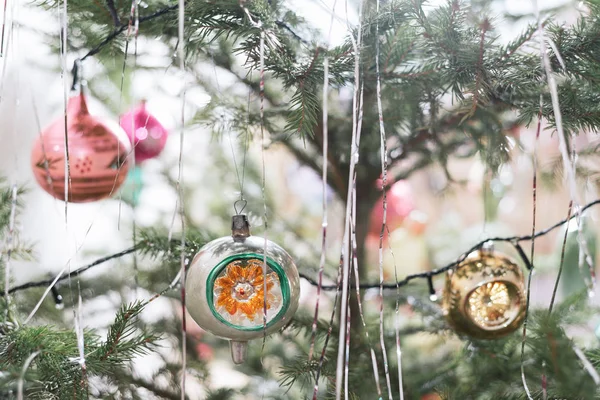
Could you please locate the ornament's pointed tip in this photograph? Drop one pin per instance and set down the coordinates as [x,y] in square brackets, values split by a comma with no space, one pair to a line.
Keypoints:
[239,351]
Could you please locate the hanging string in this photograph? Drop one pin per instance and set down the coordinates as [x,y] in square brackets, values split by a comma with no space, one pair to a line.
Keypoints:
[325,158]
[330,327]
[354,154]
[384,191]
[347,357]
[4,49]
[135,15]
[263,180]
[554,290]
[587,365]
[80,337]
[397,322]
[130,23]
[21,381]
[568,161]
[531,258]
[258,25]
[181,53]
[67,182]
[9,248]
[63,48]
[358,296]
[562,259]
[2,52]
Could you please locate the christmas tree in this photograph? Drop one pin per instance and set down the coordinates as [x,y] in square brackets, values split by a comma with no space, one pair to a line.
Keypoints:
[417,161]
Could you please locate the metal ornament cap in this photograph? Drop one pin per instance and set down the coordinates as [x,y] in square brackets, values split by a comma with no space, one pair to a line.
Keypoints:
[484,297]
[225,289]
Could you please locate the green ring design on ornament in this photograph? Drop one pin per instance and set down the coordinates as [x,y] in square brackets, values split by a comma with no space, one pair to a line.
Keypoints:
[283,281]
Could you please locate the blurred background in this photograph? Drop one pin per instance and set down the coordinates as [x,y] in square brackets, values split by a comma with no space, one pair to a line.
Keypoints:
[432,220]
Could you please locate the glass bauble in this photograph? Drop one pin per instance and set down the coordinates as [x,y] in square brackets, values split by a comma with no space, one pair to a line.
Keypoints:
[226,286]
[146,134]
[400,203]
[99,155]
[484,296]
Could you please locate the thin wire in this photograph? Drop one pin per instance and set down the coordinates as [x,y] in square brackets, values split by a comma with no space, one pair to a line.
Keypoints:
[181,49]
[523,378]
[330,328]
[258,25]
[67,182]
[587,365]
[399,283]
[325,156]
[562,260]
[9,248]
[568,162]
[397,322]
[347,356]
[21,381]
[345,243]
[3,49]
[136,18]
[383,189]
[358,296]
[263,184]
[80,336]
[130,23]
[3,29]
[531,258]
[65,96]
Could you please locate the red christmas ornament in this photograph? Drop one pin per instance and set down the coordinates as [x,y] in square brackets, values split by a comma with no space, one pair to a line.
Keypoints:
[400,203]
[98,155]
[145,133]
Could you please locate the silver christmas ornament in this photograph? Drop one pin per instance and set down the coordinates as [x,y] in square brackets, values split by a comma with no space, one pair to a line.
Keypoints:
[226,285]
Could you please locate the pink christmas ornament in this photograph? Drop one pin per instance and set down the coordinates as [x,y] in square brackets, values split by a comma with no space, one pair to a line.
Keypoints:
[98,155]
[145,133]
[400,203]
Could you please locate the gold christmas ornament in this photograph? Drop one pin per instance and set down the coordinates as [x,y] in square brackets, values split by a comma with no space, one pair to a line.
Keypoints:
[484,296]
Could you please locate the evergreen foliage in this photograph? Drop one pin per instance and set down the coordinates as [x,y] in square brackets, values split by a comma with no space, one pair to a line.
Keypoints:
[450,89]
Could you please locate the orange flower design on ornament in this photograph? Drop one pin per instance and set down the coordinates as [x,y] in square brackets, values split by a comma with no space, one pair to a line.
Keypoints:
[241,289]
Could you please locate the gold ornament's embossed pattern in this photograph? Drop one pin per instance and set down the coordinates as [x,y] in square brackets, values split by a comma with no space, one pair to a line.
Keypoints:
[489,304]
[239,293]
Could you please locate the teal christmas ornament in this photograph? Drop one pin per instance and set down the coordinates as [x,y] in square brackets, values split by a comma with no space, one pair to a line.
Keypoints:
[132,188]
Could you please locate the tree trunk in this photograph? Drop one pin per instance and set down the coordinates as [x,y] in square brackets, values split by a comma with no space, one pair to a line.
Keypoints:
[363,212]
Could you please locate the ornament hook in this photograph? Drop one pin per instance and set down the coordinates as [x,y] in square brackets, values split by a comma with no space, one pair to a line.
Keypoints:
[487,248]
[76,72]
[243,202]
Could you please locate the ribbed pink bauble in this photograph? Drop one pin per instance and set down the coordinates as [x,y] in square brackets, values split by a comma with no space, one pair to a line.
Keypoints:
[145,133]
[99,155]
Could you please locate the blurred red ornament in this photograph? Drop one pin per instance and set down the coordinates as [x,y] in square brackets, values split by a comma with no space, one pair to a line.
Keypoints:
[145,133]
[98,155]
[204,351]
[400,203]
[431,396]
